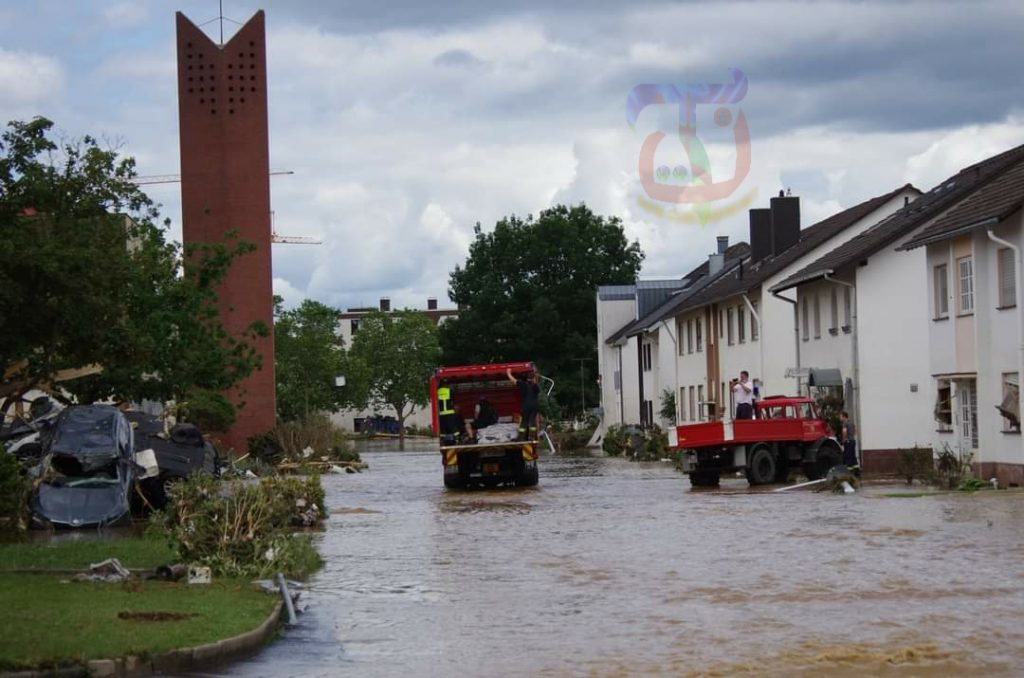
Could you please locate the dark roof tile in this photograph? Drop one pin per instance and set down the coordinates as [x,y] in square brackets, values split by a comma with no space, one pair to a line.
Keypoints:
[944,195]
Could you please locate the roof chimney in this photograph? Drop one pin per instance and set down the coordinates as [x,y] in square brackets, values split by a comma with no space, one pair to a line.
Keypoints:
[385,304]
[760,234]
[723,243]
[785,218]
[716,262]
[906,200]
[431,304]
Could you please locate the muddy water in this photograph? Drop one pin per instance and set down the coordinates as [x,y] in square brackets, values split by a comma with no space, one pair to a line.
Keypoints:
[609,568]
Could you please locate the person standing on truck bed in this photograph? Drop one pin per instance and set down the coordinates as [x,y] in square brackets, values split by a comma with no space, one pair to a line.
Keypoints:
[743,396]
[446,415]
[529,404]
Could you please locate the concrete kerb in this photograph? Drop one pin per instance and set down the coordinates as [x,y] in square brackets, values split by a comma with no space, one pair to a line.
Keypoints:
[173,661]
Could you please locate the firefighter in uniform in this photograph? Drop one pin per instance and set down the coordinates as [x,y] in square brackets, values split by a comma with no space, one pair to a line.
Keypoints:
[447,417]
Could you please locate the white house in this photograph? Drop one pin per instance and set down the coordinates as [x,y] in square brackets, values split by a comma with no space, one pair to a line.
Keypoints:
[741,326]
[972,270]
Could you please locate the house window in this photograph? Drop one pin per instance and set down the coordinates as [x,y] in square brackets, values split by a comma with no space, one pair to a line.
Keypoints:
[700,402]
[1007,279]
[729,326]
[1010,406]
[692,403]
[700,341]
[689,336]
[817,317]
[847,310]
[645,357]
[617,380]
[753,322]
[806,320]
[833,327]
[741,324]
[940,286]
[944,406]
[648,412]
[682,403]
[965,267]
[721,323]
[679,336]
[355,325]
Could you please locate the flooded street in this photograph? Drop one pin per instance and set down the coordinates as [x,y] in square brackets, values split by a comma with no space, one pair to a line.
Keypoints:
[610,568]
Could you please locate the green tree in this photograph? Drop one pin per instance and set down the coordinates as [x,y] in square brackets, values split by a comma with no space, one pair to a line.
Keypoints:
[393,355]
[89,279]
[527,292]
[309,354]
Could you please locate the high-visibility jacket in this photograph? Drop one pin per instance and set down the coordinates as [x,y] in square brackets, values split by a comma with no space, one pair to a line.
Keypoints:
[444,401]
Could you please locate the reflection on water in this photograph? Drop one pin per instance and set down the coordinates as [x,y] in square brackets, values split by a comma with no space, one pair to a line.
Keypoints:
[609,568]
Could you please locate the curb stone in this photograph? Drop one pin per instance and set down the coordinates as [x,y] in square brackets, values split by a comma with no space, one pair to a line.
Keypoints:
[172,661]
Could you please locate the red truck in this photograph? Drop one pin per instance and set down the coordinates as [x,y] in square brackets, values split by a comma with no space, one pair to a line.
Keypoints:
[497,456]
[787,433]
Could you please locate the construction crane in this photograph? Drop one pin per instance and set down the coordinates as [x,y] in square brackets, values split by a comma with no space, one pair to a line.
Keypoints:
[274,237]
[290,239]
[176,178]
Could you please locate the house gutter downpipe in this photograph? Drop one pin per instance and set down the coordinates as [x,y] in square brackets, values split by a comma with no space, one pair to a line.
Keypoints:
[796,333]
[1019,279]
[675,365]
[760,340]
[856,361]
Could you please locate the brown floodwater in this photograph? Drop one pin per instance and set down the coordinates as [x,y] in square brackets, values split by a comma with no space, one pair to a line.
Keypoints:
[612,568]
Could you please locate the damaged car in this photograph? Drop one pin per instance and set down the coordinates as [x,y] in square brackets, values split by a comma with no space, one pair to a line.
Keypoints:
[179,452]
[87,471]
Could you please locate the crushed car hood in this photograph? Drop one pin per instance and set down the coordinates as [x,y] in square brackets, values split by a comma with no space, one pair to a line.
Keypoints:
[81,506]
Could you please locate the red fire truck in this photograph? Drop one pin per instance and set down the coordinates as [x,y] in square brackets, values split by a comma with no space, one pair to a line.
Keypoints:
[497,456]
[787,433]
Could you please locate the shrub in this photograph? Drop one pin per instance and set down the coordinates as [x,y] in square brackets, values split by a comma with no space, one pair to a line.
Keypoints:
[952,467]
[244,529]
[916,463]
[289,439]
[655,445]
[14,489]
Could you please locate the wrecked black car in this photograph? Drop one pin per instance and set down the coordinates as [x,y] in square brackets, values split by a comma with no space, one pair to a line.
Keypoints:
[87,471]
[179,453]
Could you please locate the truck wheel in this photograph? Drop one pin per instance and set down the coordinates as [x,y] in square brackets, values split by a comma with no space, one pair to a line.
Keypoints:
[704,478]
[761,466]
[528,478]
[454,482]
[782,471]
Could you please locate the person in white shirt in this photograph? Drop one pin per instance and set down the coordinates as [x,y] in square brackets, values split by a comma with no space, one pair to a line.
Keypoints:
[743,396]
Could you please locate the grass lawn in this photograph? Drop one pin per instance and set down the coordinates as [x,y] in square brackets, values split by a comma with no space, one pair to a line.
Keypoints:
[77,554]
[47,623]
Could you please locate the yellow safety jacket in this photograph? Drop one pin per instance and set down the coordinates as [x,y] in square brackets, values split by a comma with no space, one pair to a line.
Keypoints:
[444,401]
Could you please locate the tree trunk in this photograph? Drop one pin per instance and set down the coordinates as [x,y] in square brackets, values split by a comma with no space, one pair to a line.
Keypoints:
[401,428]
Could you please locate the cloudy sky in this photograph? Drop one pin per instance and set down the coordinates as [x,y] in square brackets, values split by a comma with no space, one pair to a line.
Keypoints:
[406,123]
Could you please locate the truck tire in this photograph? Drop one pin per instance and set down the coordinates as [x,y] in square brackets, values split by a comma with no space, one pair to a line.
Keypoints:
[762,466]
[704,478]
[455,482]
[528,478]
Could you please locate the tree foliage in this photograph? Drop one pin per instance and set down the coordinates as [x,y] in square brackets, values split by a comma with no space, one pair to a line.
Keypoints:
[527,292]
[393,355]
[309,354]
[89,278]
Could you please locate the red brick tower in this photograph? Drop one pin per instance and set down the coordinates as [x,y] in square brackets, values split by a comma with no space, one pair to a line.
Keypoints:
[225,186]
